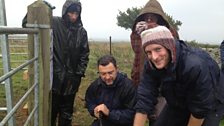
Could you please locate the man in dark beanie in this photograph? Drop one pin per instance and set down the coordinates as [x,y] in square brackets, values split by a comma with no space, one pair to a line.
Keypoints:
[70,59]
[187,77]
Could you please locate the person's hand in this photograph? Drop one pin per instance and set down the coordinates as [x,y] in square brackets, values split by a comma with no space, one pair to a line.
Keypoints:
[141,26]
[194,121]
[101,108]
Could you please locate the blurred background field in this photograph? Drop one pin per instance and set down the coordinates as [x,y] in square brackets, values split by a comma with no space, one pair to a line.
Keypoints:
[122,51]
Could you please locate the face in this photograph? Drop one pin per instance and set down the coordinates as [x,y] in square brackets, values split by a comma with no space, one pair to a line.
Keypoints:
[158,55]
[108,73]
[73,16]
[150,18]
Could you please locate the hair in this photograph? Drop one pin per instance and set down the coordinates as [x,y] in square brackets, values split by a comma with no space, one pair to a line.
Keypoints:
[105,60]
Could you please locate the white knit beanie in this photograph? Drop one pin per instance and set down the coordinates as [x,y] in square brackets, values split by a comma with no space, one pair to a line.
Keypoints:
[159,35]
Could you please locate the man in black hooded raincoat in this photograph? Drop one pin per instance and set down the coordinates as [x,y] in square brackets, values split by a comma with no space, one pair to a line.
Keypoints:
[70,59]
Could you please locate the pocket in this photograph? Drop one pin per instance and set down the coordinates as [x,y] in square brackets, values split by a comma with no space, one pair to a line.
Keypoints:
[70,85]
[77,82]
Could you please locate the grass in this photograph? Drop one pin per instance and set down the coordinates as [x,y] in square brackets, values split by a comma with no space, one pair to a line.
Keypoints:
[121,51]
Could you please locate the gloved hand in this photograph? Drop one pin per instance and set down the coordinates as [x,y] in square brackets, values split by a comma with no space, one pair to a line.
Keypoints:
[24,22]
[49,5]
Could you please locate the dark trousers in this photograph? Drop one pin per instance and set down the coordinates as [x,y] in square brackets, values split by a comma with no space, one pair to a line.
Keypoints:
[62,107]
[179,117]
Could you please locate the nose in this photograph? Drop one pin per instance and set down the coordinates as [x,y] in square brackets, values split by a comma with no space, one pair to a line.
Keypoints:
[107,76]
[73,17]
[154,55]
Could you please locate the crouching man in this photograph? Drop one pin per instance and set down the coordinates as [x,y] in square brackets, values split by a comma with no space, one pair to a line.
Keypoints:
[111,97]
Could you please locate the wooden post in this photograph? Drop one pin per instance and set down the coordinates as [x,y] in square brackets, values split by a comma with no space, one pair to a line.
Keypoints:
[30,73]
[40,15]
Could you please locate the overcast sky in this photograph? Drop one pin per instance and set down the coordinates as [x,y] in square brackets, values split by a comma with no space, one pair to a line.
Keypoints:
[203,20]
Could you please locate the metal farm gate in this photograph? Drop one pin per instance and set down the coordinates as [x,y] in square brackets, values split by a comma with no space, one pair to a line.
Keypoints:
[9,73]
[39,59]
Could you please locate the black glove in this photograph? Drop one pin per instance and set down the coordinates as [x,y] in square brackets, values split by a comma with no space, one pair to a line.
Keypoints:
[49,5]
[24,22]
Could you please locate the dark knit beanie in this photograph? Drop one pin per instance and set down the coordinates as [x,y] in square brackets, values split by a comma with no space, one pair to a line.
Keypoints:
[74,8]
[159,35]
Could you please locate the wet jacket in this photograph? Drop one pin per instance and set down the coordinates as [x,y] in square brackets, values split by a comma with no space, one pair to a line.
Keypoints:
[152,6]
[119,98]
[70,52]
[190,84]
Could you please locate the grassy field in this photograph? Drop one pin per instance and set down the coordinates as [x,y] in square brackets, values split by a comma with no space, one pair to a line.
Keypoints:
[121,51]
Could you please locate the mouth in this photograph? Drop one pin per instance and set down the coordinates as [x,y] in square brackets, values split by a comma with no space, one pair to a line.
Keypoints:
[157,62]
[109,82]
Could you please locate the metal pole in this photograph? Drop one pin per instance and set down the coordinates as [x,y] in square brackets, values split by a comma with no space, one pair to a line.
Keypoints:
[100,118]
[14,30]
[36,78]
[110,46]
[2,13]
[6,63]
[16,107]
[12,72]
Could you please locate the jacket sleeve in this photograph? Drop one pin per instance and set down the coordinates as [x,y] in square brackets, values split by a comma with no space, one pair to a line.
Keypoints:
[222,53]
[90,99]
[126,114]
[200,97]
[136,43]
[84,53]
[147,94]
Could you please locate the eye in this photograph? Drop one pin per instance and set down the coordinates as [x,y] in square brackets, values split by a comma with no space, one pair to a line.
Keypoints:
[111,72]
[103,74]
[148,53]
[157,49]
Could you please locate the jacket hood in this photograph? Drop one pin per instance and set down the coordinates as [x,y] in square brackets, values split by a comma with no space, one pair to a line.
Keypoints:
[67,4]
[153,6]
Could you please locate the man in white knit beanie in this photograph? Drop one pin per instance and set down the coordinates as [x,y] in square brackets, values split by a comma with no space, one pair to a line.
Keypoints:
[187,77]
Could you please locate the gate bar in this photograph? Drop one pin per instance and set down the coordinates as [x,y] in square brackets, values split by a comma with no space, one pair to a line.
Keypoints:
[11,30]
[10,73]
[19,103]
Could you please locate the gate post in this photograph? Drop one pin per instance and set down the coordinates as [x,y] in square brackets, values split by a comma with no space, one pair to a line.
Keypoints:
[40,15]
